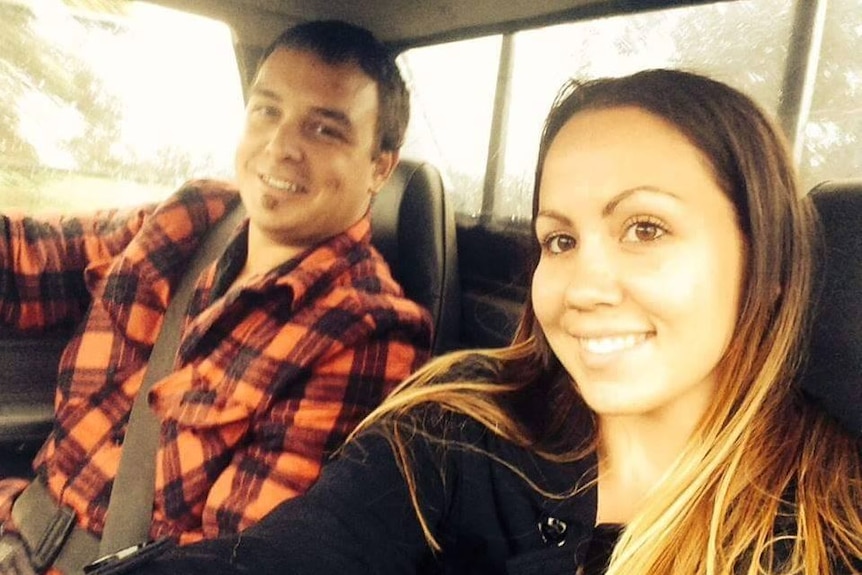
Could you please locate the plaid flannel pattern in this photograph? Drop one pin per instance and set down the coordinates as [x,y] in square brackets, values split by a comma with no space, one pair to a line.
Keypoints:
[269,379]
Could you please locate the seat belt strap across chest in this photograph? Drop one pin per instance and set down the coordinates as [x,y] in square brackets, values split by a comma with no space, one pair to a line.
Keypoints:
[130,507]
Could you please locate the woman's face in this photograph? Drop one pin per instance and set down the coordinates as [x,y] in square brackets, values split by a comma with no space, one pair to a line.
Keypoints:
[639,280]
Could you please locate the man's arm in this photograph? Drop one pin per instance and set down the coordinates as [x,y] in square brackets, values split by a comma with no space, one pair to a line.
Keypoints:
[42,263]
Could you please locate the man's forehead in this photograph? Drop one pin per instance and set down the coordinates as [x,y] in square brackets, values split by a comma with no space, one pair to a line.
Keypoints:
[291,72]
[271,64]
[342,92]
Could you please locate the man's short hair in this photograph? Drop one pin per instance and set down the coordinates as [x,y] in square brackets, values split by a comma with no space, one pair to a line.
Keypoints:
[337,42]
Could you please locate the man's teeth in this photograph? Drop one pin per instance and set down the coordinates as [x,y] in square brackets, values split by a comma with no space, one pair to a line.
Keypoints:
[612,343]
[282,185]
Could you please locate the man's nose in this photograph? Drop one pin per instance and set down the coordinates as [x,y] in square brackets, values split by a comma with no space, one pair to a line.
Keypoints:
[593,277]
[285,141]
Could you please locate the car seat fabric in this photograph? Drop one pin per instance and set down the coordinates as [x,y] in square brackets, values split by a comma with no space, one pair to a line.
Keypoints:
[832,375]
[413,227]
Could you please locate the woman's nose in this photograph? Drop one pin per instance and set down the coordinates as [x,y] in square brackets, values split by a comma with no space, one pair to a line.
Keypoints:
[593,277]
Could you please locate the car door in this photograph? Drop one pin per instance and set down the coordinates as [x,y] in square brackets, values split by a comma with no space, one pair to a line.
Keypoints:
[104,105]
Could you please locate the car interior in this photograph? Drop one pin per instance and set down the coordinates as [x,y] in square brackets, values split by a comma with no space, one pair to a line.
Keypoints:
[453,221]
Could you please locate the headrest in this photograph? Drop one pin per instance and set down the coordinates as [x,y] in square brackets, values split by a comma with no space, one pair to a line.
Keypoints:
[413,227]
[833,374]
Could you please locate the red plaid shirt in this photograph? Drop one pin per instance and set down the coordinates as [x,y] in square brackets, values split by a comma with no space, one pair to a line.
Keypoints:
[270,376]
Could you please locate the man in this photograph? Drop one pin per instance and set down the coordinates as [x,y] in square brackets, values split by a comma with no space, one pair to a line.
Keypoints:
[291,337]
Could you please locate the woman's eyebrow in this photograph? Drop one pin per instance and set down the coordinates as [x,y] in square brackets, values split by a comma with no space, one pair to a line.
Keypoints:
[554,215]
[609,208]
[629,192]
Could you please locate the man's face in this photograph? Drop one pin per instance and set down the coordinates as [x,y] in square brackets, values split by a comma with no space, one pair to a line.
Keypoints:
[307,164]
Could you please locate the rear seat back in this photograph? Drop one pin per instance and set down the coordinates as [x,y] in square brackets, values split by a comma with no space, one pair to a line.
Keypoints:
[833,375]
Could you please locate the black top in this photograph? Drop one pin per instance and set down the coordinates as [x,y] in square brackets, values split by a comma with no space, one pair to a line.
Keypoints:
[601,546]
[487,517]
[358,517]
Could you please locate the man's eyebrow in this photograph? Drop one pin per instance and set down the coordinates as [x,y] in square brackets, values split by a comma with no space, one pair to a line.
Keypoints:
[335,115]
[257,90]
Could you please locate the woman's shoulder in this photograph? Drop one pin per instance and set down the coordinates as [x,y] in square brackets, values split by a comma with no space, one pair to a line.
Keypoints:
[466,448]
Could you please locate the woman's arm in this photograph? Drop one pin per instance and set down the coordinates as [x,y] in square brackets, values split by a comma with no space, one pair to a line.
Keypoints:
[357,519]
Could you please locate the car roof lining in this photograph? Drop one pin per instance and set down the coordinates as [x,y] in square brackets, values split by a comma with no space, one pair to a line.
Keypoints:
[405,23]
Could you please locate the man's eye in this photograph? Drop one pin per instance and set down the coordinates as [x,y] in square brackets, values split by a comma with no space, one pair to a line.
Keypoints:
[558,243]
[646,230]
[263,111]
[327,131]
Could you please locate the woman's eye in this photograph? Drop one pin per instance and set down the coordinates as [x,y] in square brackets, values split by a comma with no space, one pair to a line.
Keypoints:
[558,243]
[644,231]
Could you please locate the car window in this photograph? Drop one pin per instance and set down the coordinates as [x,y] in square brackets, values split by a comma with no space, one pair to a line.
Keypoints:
[111,102]
[832,137]
[744,43]
[452,108]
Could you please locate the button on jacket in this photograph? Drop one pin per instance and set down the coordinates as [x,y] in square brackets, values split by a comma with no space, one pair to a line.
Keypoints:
[270,375]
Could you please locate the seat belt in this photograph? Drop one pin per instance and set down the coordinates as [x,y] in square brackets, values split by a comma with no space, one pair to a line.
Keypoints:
[130,507]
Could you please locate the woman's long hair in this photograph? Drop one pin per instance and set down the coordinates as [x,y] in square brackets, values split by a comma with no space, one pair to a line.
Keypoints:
[768,483]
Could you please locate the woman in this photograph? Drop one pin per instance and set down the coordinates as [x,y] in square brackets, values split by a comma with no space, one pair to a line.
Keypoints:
[645,418]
